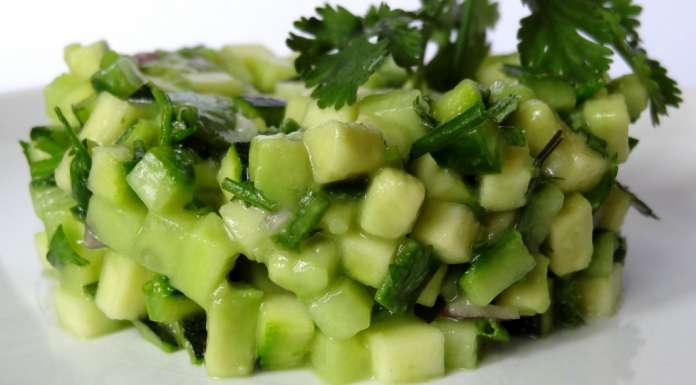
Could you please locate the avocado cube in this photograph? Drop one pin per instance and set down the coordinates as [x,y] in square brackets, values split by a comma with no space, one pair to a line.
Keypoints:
[450,228]
[391,204]
[339,151]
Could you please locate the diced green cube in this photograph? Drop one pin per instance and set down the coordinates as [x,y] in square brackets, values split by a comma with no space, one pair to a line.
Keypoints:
[107,177]
[340,151]
[315,115]
[120,291]
[570,236]
[306,273]
[116,226]
[607,117]
[230,167]
[163,179]
[343,310]
[109,119]
[442,183]
[340,361]
[450,228]
[605,245]
[339,219]
[457,100]
[599,296]
[366,258]
[216,83]
[162,239]
[63,92]
[279,166]
[284,333]
[539,123]
[428,295]
[62,173]
[84,60]
[296,108]
[78,314]
[531,294]
[247,228]
[631,87]
[462,343]
[611,214]
[507,190]
[266,69]
[406,351]
[394,114]
[575,166]
[391,204]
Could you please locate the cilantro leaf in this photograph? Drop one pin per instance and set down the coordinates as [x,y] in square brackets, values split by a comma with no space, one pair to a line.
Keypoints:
[79,168]
[404,42]
[60,253]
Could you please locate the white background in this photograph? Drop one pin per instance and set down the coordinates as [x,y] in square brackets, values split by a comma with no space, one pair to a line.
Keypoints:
[33,32]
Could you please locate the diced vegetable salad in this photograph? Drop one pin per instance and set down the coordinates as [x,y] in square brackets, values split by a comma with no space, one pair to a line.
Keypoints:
[363,210]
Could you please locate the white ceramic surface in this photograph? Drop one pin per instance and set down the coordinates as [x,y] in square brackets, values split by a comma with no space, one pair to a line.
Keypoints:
[651,341]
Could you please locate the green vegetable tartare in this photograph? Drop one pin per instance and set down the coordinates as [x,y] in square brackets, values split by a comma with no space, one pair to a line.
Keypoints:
[385,203]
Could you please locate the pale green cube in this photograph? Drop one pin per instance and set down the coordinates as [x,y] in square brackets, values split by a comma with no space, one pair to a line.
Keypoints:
[340,150]
[539,123]
[306,273]
[343,310]
[428,295]
[340,361]
[391,204]
[507,190]
[607,117]
[315,115]
[442,183]
[462,342]
[109,119]
[284,332]
[366,258]
[247,229]
[457,100]
[120,291]
[78,314]
[600,296]
[450,228]
[570,236]
[575,166]
[531,295]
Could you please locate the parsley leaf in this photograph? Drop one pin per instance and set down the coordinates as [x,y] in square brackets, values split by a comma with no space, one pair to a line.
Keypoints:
[573,40]
[60,253]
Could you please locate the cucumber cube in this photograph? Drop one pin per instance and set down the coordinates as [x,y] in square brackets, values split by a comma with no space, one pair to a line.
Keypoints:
[343,310]
[558,94]
[207,256]
[442,183]
[215,83]
[284,333]
[63,92]
[340,361]
[62,173]
[120,291]
[266,69]
[315,115]
[462,343]
[296,107]
[631,87]
[501,89]
[366,258]
[391,204]
[498,267]
[457,100]
[495,223]
[306,273]
[339,218]
[116,226]
[530,295]
[599,296]
[507,190]
[575,166]
[607,117]
[71,274]
[247,228]
[570,236]
[163,179]
[406,351]
[605,245]
[231,324]
[394,114]
[491,69]
[450,228]
[78,314]
[535,221]
[230,167]
[107,177]
[279,166]
[84,60]
[162,240]
[539,123]
[109,119]
[165,305]
[340,150]
[611,214]
[428,295]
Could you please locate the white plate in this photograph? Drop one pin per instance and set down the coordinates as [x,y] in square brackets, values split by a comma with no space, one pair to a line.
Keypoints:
[652,340]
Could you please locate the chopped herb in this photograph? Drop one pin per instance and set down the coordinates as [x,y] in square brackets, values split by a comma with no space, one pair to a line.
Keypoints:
[638,203]
[312,208]
[60,253]
[289,126]
[79,168]
[621,250]
[446,133]
[548,149]
[247,193]
[503,108]
[514,136]
[492,330]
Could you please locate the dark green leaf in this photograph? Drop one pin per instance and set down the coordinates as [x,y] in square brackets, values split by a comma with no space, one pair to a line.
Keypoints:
[599,193]
[446,133]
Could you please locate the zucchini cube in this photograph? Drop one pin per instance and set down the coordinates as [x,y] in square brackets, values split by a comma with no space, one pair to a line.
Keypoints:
[284,333]
[531,295]
[394,114]
[391,204]
[450,228]
[340,361]
[279,166]
[570,236]
[340,151]
[107,177]
[608,118]
[343,310]
[539,123]
[366,258]
[120,291]
[457,100]
[306,273]
[507,190]
[406,351]
[462,343]
[163,179]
